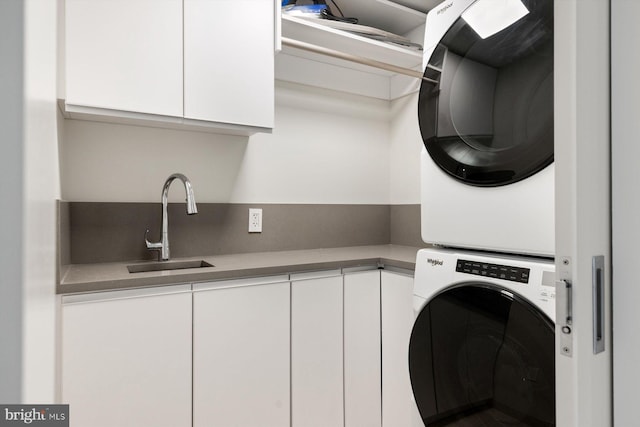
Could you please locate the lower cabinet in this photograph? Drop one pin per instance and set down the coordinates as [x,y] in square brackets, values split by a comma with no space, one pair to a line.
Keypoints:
[350,337]
[325,349]
[398,406]
[317,394]
[241,353]
[126,358]
[362,356]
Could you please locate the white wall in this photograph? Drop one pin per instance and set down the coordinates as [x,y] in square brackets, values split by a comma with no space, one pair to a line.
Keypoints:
[11,102]
[404,156]
[327,147]
[28,160]
[625,151]
[41,189]
[118,163]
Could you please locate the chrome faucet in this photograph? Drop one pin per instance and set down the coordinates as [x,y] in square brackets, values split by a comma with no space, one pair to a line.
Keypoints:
[163,245]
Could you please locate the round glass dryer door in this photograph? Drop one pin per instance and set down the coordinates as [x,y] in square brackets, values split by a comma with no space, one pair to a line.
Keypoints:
[480,356]
[486,113]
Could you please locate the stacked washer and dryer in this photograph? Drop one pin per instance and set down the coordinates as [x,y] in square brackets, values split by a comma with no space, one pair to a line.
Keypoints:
[482,347]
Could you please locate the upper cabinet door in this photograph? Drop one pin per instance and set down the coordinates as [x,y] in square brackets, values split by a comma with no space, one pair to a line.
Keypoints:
[229,61]
[125,55]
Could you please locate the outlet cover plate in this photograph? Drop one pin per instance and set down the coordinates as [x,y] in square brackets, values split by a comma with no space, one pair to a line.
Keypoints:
[255,220]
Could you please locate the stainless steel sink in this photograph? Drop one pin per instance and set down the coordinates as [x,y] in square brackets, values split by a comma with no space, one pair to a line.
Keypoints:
[167,265]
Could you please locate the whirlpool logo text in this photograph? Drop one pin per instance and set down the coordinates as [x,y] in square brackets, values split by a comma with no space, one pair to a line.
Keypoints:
[435,262]
[444,8]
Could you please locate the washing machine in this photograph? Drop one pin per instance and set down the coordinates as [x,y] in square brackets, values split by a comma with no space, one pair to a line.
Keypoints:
[481,351]
[486,117]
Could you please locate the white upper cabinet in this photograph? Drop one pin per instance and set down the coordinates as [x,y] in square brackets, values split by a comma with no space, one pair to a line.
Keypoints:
[125,55]
[196,64]
[228,61]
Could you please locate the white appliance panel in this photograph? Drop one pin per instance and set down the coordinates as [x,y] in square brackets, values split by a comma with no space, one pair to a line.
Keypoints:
[482,348]
[436,271]
[515,218]
[493,139]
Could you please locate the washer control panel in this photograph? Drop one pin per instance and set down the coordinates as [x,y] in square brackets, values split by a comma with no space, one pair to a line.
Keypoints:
[497,271]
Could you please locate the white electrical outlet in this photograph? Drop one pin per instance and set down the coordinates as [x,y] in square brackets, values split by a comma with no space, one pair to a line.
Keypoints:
[255,220]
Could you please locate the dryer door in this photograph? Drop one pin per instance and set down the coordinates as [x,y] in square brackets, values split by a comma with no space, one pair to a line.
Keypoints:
[480,356]
[486,116]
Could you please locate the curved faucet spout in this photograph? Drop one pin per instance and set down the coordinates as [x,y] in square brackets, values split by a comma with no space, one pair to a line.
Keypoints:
[192,209]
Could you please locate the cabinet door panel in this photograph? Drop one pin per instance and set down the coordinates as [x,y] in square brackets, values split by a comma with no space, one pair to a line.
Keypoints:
[316,353]
[398,407]
[241,356]
[362,395]
[127,362]
[125,55]
[229,61]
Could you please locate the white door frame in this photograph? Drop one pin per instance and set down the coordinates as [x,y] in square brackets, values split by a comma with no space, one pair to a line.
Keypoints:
[583,230]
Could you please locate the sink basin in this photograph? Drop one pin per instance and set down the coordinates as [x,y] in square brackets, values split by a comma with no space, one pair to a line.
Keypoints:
[167,265]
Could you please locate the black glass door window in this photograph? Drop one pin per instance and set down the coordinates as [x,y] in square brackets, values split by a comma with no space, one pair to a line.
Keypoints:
[481,356]
[486,115]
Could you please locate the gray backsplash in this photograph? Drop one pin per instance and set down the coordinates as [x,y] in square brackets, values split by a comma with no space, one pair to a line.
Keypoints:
[92,232]
[405,225]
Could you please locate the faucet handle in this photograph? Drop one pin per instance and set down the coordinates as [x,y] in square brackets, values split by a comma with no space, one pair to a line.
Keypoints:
[150,245]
